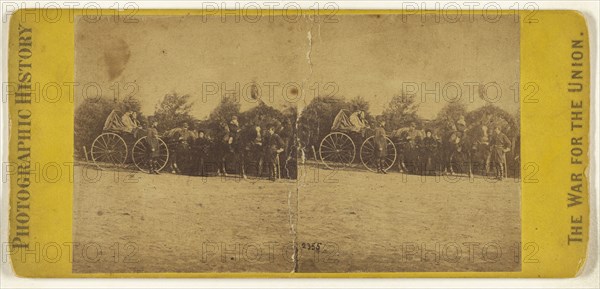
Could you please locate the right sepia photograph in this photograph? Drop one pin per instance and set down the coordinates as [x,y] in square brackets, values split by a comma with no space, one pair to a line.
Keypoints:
[412,165]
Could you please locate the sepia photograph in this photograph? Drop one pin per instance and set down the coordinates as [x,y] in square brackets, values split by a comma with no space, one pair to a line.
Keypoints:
[413,165]
[354,143]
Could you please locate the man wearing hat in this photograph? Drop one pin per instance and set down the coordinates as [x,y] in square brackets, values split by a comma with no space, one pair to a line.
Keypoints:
[428,153]
[200,149]
[273,146]
[499,146]
[153,144]
[380,147]
[255,148]
[182,150]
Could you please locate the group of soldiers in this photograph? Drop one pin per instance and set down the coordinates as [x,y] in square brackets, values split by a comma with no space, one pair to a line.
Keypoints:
[448,149]
[195,152]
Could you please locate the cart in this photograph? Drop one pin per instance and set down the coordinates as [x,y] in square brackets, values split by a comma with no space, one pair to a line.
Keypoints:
[111,148]
[338,148]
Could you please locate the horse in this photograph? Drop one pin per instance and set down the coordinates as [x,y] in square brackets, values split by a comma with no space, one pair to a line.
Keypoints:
[448,146]
[249,150]
[179,143]
[223,148]
[407,140]
[242,148]
[465,152]
[429,155]
[480,154]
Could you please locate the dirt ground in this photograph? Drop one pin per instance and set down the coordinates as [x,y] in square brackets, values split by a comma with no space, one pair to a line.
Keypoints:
[394,223]
[337,221]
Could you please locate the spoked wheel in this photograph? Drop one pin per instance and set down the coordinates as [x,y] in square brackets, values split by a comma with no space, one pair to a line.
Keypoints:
[109,149]
[369,158]
[141,155]
[337,150]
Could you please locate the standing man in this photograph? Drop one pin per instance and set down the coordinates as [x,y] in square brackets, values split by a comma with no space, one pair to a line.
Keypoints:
[499,145]
[256,148]
[517,154]
[200,148]
[234,142]
[273,146]
[182,150]
[153,144]
[380,147]
[428,153]
[223,148]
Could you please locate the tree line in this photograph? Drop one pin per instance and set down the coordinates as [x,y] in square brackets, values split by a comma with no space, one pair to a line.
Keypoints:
[175,109]
[313,124]
[317,117]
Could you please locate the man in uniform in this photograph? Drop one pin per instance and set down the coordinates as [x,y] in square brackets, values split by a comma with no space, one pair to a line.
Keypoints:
[182,150]
[380,147]
[153,144]
[273,146]
[499,145]
[256,149]
[224,148]
[428,153]
[200,148]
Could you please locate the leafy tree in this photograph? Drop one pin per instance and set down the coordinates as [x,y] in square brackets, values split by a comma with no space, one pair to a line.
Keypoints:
[263,116]
[225,110]
[401,111]
[172,111]
[451,112]
[491,116]
[359,103]
[288,129]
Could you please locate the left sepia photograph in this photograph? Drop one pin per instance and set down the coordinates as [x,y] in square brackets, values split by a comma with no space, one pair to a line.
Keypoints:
[185,162]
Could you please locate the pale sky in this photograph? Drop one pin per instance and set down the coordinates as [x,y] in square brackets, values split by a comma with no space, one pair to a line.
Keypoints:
[367,55]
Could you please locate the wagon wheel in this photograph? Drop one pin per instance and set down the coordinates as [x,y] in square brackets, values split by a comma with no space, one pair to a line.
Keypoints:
[109,149]
[367,154]
[141,154]
[337,150]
